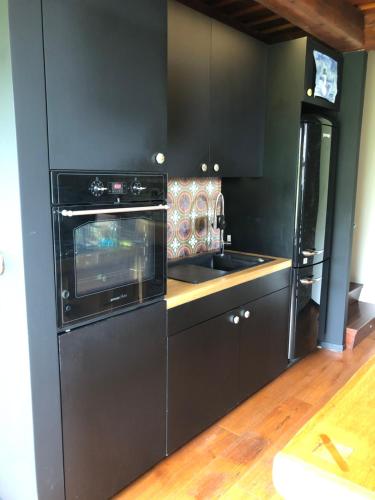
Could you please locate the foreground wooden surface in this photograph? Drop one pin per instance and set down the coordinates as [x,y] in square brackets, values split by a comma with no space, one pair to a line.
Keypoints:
[179,292]
[335,451]
[233,459]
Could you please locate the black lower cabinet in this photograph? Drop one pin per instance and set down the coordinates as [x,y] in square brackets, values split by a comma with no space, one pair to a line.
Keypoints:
[202,377]
[263,342]
[113,391]
[214,365]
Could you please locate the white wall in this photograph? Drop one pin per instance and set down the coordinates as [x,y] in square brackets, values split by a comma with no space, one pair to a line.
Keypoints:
[17,461]
[363,259]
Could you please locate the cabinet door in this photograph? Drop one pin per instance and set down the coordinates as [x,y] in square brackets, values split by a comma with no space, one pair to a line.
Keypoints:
[264,341]
[202,377]
[113,393]
[238,85]
[105,65]
[189,43]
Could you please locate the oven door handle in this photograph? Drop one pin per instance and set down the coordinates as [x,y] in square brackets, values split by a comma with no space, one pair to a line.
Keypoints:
[75,213]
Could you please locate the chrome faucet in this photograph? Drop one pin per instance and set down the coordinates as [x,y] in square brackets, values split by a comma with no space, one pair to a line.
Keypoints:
[219,220]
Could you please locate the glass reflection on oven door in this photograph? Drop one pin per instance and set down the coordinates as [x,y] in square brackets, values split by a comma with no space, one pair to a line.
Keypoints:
[113,253]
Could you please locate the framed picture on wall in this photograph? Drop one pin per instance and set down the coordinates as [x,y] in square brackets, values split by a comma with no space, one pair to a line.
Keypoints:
[323,75]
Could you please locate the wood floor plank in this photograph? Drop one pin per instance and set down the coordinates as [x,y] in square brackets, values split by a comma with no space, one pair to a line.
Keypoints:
[257,482]
[220,474]
[181,466]
[281,418]
[233,459]
[237,493]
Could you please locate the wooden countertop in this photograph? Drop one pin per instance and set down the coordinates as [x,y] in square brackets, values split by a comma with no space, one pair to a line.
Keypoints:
[333,455]
[179,292]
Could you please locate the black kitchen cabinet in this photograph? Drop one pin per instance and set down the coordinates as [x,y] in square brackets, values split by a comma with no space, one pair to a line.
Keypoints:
[313,45]
[216,97]
[113,396]
[105,66]
[203,377]
[189,46]
[263,341]
[222,359]
[238,96]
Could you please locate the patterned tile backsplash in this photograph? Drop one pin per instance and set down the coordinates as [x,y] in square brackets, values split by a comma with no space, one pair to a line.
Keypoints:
[191,213]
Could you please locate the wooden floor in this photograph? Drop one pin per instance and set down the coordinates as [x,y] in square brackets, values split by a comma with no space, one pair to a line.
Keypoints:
[233,458]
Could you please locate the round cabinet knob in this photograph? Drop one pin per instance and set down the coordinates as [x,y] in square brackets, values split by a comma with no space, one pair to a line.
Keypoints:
[216,167]
[204,167]
[235,319]
[246,314]
[309,92]
[160,158]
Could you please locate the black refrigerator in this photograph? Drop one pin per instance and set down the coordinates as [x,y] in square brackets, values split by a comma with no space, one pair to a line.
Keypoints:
[312,236]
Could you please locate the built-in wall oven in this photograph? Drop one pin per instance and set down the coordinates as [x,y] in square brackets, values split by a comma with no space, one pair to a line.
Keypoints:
[110,242]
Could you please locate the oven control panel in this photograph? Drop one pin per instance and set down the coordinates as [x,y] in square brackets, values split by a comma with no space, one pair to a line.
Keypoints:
[117,188]
[93,188]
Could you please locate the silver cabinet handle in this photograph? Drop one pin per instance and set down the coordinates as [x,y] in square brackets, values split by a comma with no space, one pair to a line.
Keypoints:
[216,167]
[75,213]
[311,253]
[310,281]
[246,314]
[235,319]
[204,167]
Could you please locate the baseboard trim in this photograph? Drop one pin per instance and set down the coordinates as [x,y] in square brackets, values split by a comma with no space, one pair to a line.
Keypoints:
[331,347]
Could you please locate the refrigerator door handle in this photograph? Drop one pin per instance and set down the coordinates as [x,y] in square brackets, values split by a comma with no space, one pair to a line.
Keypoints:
[309,281]
[311,253]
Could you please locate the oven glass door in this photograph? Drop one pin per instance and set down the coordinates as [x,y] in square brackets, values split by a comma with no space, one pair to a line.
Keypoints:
[107,260]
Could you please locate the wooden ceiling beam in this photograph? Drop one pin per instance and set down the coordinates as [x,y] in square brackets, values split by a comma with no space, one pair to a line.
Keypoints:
[336,22]
[370,30]
[251,9]
[367,6]
[221,16]
[277,29]
[263,20]
[223,3]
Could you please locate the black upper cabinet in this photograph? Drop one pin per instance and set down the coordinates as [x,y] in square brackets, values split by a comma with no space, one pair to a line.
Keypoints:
[216,103]
[105,66]
[189,45]
[238,93]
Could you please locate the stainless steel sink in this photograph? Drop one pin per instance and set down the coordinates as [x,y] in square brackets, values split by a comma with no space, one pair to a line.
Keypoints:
[205,267]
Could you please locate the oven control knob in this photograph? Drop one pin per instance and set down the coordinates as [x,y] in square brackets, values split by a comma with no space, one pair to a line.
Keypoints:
[97,188]
[137,188]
